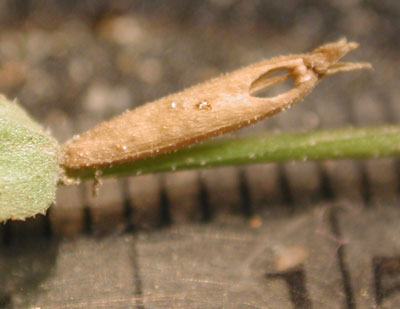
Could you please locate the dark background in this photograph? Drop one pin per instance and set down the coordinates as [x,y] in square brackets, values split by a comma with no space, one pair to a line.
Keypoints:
[302,235]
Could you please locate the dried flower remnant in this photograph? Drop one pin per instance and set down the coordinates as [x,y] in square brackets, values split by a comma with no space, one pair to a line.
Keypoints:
[230,102]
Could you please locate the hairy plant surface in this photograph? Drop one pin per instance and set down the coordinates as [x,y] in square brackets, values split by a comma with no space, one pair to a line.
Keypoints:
[28,164]
[30,160]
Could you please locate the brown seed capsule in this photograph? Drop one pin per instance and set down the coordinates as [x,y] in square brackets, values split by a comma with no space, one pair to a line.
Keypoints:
[215,107]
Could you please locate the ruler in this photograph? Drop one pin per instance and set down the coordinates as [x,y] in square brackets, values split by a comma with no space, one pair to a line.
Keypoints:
[294,235]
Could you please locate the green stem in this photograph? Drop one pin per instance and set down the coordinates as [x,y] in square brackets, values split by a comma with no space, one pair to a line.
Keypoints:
[354,143]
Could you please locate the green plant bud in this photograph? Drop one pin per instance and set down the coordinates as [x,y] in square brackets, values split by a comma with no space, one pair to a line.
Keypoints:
[29,167]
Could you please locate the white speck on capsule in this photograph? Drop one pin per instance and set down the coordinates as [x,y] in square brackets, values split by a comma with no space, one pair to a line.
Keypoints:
[204,105]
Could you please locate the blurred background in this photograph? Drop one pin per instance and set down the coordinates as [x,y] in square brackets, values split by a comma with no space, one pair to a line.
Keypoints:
[299,235]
